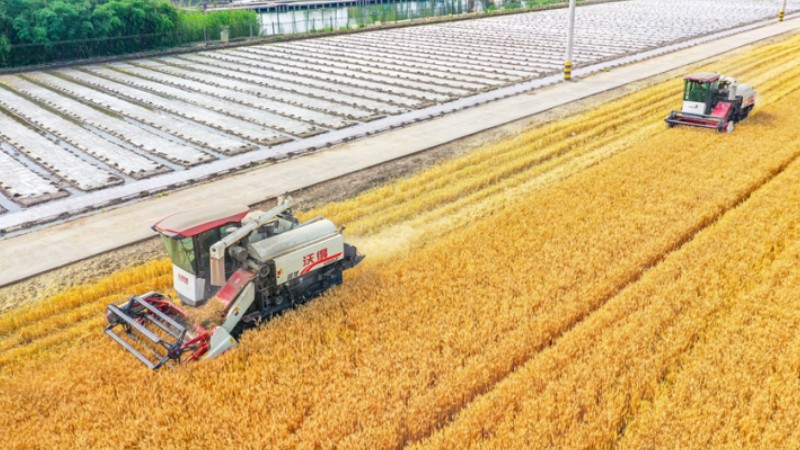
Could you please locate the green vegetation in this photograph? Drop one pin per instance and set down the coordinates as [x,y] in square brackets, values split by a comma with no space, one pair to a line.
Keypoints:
[191,24]
[40,31]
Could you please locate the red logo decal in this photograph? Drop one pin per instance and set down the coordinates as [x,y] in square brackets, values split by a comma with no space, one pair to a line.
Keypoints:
[308,260]
[310,267]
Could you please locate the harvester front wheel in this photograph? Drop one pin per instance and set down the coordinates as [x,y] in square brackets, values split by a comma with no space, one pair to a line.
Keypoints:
[729,127]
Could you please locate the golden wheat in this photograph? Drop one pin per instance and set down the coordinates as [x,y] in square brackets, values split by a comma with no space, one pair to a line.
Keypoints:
[587,386]
[542,252]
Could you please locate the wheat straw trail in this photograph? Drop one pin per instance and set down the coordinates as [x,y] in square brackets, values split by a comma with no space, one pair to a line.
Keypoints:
[563,288]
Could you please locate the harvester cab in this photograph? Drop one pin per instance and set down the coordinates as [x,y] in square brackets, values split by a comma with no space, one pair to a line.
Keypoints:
[187,238]
[711,100]
[698,95]
[233,268]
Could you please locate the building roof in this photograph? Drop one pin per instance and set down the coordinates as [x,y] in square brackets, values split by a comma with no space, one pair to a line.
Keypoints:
[703,77]
[191,223]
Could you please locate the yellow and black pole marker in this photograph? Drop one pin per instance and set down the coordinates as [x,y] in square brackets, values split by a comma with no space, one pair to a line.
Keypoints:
[570,41]
[782,14]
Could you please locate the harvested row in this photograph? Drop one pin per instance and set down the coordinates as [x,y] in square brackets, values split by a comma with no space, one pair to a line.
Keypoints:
[544,151]
[494,169]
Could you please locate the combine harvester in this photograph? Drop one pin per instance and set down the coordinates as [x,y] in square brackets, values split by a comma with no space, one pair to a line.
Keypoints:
[244,266]
[711,100]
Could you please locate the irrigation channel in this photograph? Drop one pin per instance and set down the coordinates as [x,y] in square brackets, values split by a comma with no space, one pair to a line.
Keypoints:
[79,139]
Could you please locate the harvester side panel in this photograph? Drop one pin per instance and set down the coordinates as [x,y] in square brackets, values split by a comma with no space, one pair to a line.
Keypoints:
[722,110]
[188,285]
[236,283]
[315,256]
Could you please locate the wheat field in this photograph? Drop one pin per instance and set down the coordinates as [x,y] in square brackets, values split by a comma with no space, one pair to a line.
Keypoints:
[596,282]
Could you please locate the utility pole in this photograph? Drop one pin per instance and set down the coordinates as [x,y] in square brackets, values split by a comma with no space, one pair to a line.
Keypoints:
[570,41]
[783,12]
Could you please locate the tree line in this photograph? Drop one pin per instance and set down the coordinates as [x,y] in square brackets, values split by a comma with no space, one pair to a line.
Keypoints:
[40,31]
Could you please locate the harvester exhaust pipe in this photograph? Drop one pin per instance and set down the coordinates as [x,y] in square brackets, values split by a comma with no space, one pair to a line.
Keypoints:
[782,13]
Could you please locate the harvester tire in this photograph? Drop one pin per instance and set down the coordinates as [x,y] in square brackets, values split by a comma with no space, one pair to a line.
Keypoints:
[729,127]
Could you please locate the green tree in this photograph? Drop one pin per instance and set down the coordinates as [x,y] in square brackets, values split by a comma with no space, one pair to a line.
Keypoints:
[35,31]
[5,49]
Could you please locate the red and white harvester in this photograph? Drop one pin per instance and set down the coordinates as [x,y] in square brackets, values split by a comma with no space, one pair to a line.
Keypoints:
[711,100]
[244,266]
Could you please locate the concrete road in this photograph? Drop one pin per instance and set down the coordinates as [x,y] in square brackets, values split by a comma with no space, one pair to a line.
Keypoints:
[36,252]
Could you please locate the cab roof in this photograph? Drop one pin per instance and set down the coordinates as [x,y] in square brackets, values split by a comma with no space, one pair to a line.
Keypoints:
[709,77]
[191,223]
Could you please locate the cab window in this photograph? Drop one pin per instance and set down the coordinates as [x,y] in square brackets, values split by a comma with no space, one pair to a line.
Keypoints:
[181,252]
[204,242]
[696,91]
